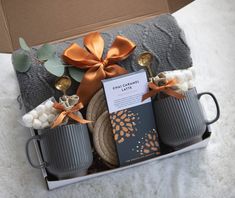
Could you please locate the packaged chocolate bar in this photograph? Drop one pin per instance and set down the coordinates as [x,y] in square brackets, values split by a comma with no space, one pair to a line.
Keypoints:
[132,119]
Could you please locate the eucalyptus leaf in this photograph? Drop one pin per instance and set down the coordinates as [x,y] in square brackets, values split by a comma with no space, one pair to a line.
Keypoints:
[46,52]
[21,62]
[23,44]
[76,74]
[54,66]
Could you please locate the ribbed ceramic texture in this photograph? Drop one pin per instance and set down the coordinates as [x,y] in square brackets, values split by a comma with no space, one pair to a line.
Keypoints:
[161,36]
[180,121]
[66,150]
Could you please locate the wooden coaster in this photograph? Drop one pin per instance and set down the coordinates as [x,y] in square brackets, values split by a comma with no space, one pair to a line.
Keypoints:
[95,108]
[103,139]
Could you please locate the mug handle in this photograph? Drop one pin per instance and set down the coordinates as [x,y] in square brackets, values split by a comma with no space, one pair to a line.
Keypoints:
[216,104]
[43,164]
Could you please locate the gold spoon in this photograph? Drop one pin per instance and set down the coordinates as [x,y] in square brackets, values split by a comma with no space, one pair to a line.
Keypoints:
[63,83]
[144,60]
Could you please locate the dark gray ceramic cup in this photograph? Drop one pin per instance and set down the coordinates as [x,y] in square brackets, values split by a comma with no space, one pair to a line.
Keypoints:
[181,122]
[66,150]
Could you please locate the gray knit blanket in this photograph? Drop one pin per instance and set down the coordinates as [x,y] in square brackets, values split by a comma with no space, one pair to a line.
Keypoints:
[161,36]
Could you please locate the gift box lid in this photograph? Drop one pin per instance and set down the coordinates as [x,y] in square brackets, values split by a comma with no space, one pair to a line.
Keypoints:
[47,21]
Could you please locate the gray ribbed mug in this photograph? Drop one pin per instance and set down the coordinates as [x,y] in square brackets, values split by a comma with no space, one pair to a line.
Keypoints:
[181,122]
[66,150]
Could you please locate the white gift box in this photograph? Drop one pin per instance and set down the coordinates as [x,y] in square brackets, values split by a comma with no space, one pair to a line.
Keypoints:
[53,184]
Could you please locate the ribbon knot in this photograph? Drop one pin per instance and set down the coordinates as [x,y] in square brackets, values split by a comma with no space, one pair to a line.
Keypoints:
[68,113]
[104,63]
[98,69]
[167,89]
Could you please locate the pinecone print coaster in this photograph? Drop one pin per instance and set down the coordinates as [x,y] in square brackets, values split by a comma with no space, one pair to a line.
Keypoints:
[124,124]
[103,140]
[95,108]
[148,144]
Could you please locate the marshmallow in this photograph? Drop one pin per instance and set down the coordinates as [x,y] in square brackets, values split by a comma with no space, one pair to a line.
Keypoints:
[169,77]
[47,111]
[43,117]
[188,75]
[51,118]
[45,125]
[27,119]
[190,84]
[34,113]
[49,104]
[180,77]
[40,109]
[54,111]
[184,86]
[37,124]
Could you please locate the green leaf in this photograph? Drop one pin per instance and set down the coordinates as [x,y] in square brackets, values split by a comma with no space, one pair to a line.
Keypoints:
[23,44]
[76,74]
[21,62]
[54,66]
[46,52]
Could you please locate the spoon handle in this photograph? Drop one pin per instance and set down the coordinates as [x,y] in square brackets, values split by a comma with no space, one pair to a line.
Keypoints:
[150,72]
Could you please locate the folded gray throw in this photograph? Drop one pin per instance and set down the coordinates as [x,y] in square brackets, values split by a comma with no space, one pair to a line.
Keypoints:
[161,36]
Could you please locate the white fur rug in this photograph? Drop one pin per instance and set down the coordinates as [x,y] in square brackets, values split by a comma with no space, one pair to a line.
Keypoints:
[210,30]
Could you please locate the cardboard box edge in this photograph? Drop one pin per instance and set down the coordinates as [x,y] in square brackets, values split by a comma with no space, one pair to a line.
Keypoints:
[5,38]
[7,46]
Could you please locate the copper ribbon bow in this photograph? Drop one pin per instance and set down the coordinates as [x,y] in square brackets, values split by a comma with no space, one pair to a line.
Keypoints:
[98,68]
[165,88]
[69,113]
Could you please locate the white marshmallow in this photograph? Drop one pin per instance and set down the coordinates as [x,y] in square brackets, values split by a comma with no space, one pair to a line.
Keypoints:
[176,72]
[47,111]
[34,113]
[180,78]
[184,86]
[40,109]
[51,118]
[49,105]
[54,111]
[27,119]
[188,75]
[43,117]
[190,84]
[169,77]
[37,124]
[45,125]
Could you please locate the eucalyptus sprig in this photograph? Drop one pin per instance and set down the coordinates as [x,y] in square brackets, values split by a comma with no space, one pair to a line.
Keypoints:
[46,56]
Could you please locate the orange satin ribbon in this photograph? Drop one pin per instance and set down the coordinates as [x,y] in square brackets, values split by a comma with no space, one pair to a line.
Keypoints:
[69,113]
[165,88]
[98,68]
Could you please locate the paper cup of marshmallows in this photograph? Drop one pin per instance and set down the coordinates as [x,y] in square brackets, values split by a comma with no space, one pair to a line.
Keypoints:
[185,78]
[42,116]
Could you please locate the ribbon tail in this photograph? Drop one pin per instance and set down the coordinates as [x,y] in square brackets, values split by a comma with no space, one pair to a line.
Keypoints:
[58,106]
[59,119]
[78,119]
[149,94]
[90,84]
